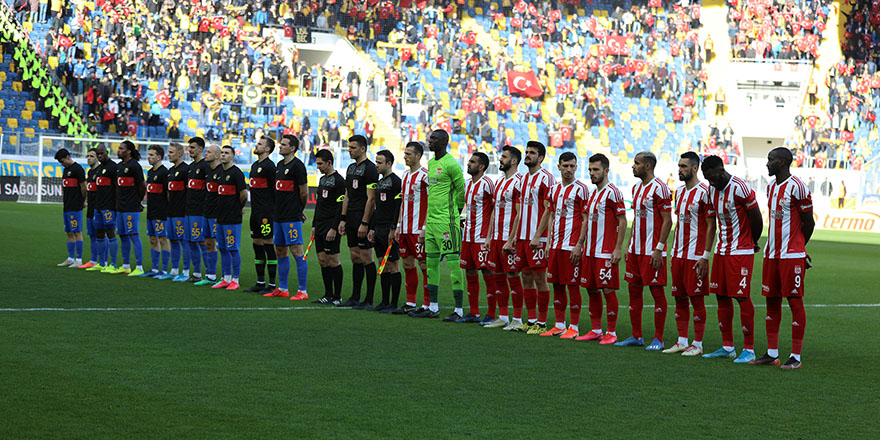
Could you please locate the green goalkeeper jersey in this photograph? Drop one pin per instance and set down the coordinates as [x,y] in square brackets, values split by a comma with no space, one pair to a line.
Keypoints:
[445,191]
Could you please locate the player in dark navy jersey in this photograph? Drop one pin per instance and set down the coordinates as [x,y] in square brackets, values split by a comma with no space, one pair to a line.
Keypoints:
[196,193]
[130,191]
[262,190]
[105,210]
[177,177]
[91,190]
[212,157]
[73,186]
[157,212]
[232,195]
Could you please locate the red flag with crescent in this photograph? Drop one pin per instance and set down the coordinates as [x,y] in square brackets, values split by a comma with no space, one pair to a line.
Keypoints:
[617,45]
[524,84]
[677,114]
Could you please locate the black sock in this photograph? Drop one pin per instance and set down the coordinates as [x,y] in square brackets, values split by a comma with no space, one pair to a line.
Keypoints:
[370,269]
[272,262]
[396,281]
[328,281]
[337,282]
[357,277]
[385,279]
[260,263]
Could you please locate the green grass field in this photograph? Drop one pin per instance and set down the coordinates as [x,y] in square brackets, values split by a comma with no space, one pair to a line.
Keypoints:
[122,357]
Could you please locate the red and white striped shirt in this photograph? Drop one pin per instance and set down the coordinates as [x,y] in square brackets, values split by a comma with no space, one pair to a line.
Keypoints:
[567,203]
[787,200]
[649,201]
[692,209]
[479,202]
[534,190]
[602,209]
[506,196]
[734,227]
[414,207]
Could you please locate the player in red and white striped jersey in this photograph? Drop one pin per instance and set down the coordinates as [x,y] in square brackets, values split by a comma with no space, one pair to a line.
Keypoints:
[646,255]
[564,216]
[739,228]
[532,261]
[479,204]
[785,256]
[602,234]
[502,263]
[688,287]
[413,211]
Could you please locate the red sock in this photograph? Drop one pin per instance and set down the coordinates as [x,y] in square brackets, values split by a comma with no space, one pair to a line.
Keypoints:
[427,301]
[502,294]
[774,318]
[516,294]
[595,309]
[699,303]
[574,291]
[612,306]
[412,284]
[798,323]
[659,310]
[473,290]
[560,302]
[543,304]
[530,298]
[725,320]
[635,310]
[747,318]
[682,315]
[489,279]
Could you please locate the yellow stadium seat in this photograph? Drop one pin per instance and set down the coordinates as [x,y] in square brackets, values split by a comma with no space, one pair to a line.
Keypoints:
[16,86]
[154,85]
[43,124]
[30,106]
[192,124]
[145,106]
[12,123]
[175,114]
[551,151]
[13,140]
[29,132]
[197,106]
[478,11]
[2,104]
[2,76]
[53,62]
[26,115]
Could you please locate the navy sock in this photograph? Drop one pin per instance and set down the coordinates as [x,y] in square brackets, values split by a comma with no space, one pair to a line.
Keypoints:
[138,249]
[195,257]
[283,272]
[79,249]
[302,273]
[175,254]
[225,262]
[155,256]
[236,263]
[93,249]
[112,248]
[71,249]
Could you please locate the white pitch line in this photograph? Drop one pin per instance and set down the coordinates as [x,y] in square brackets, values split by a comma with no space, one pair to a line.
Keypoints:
[267,309]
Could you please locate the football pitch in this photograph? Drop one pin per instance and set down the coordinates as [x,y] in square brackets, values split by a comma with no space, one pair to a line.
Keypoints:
[90,355]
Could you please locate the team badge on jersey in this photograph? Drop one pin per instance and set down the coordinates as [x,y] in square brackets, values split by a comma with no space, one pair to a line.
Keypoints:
[286,171]
[382,197]
[797,270]
[324,194]
[69,173]
[446,236]
[227,177]
[354,183]
[744,272]
[439,171]
[260,170]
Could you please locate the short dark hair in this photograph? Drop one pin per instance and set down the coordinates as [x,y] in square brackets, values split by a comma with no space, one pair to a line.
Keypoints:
[270,142]
[324,154]
[228,147]
[417,146]
[712,162]
[159,150]
[694,158]
[787,157]
[482,158]
[196,140]
[567,156]
[542,150]
[294,141]
[649,158]
[387,155]
[93,149]
[513,152]
[360,139]
[61,154]
[130,146]
[601,158]
[443,135]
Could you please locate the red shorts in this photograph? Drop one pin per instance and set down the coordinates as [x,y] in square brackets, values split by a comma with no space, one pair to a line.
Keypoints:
[500,261]
[732,275]
[560,270]
[784,277]
[473,256]
[531,259]
[410,246]
[599,273]
[640,273]
[684,279]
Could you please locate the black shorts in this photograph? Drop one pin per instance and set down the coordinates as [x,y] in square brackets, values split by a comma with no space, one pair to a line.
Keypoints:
[261,225]
[381,240]
[351,231]
[321,243]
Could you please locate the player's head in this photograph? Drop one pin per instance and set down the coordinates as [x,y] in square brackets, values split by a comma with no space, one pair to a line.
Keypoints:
[212,153]
[713,172]
[101,153]
[92,156]
[438,140]
[568,164]
[127,150]
[289,144]
[478,164]
[643,164]
[196,147]
[227,154]
[175,152]
[510,157]
[63,157]
[688,165]
[412,154]
[384,162]
[265,145]
[324,161]
[598,168]
[535,152]
[357,147]
[155,155]
[778,159]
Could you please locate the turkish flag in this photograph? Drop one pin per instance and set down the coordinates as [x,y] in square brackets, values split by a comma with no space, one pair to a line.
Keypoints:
[466,107]
[524,84]
[569,71]
[563,89]
[677,114]
[393,79]
[106,59]
[582,73]
[469,38]
[432,31]
[607,69]
[163,98]
[688,99]
[205,25]
[566,133]
[654,3]
[516,22]
[446,125]
[218,22]
[288,31]
[593,64]
[498,103]
[812,120]
[847,136]
[875,83]
[521,6]
[533,10]
[555,15]
[405,54]
[591,94]
[616,45]
[535,42]
[556,139]
[65,41]
[132,128]
[225,32]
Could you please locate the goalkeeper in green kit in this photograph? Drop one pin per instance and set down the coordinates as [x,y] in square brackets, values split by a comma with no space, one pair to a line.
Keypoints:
[442,232]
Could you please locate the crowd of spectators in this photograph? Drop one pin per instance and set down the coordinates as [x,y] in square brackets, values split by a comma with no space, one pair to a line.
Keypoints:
[782,30]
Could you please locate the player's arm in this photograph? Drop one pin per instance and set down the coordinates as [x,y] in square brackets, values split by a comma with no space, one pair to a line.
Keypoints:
[458,188]
[542,226]
[488,242]
[83,189]
[141,185]
[510,245]
[702,265]
[341,224]
[657,255]
[617,254]
[757,224]
[582,240]
[301,176]
[368,211]
[398,200]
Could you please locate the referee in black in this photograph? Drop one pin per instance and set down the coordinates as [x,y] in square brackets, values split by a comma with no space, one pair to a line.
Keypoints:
[328,213]
[383,229]
[262,186]
[357,211]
